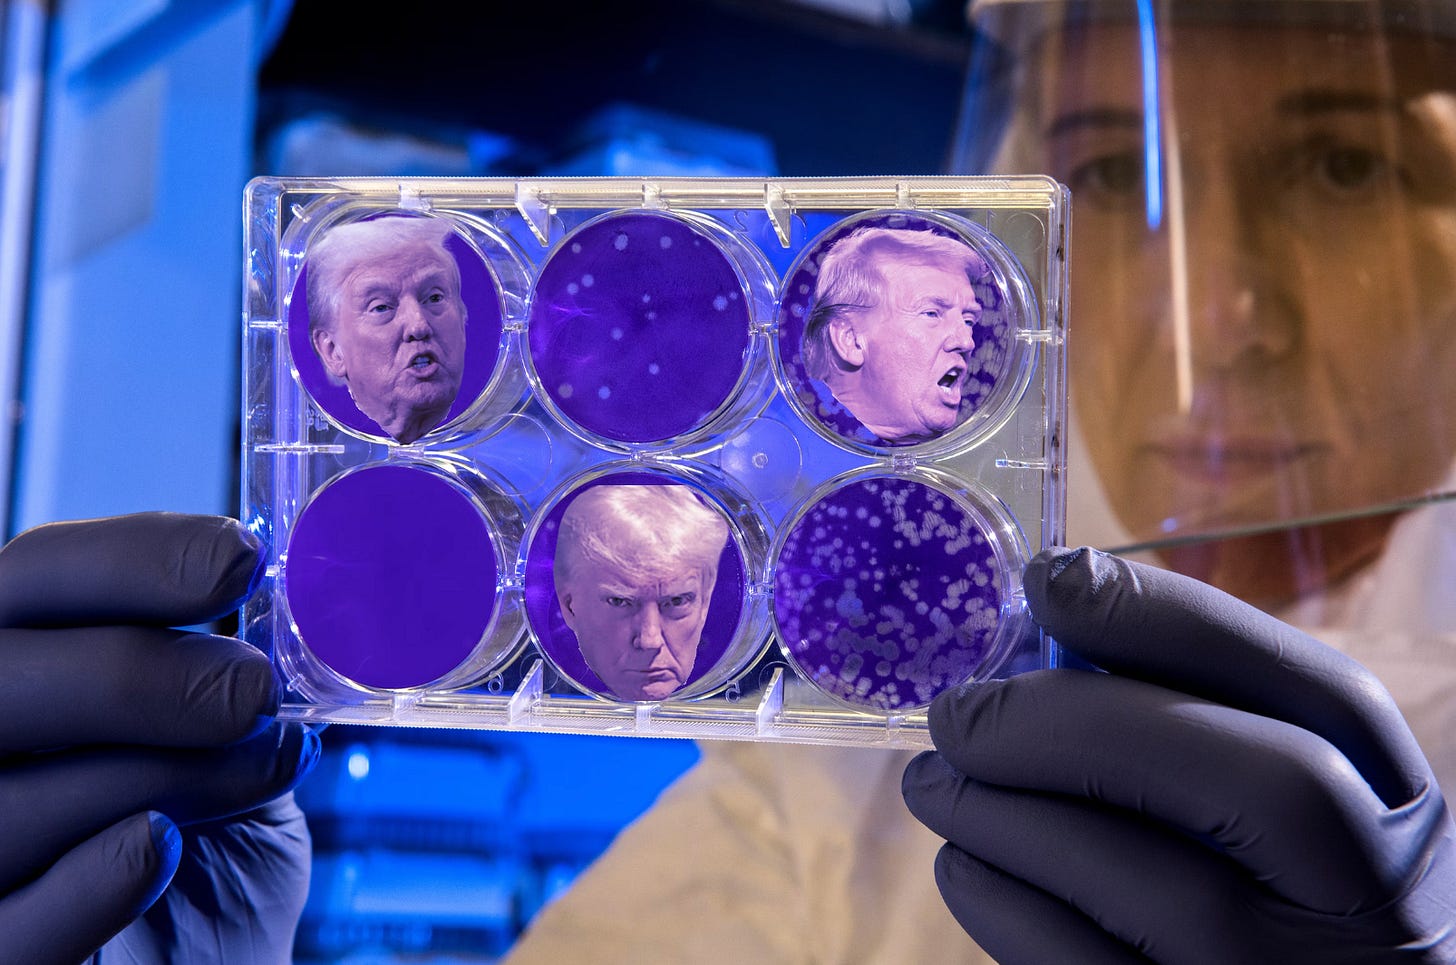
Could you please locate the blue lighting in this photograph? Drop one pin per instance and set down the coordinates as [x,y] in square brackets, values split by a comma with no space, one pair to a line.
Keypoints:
[1152,133]
[358,764]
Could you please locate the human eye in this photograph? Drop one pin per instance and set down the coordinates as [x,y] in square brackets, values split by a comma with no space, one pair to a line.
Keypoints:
[1109,180]
[1346,171]
[380,308]
[619,602]
[928,308]
[678,602]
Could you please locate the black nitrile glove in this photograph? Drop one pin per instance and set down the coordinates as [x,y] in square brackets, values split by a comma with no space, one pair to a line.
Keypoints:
[1231,791]
[116,731]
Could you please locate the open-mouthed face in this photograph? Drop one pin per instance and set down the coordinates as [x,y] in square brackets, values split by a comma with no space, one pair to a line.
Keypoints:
[398,340]
[908,354]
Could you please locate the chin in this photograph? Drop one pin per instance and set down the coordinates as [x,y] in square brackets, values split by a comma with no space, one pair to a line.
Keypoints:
[657,691]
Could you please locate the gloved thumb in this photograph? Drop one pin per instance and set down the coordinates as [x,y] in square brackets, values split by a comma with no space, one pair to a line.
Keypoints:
[115,875]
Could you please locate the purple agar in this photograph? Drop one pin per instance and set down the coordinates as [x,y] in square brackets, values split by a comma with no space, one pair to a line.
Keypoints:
[559,643]
[639,327]
[886,592]
[391,577]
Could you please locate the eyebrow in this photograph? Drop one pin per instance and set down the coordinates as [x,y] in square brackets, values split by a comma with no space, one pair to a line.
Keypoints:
[1301,103]
[1314,102]
[1118,117]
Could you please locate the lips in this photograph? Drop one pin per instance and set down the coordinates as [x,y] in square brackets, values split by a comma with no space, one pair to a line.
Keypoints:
[423,364]
[660,668]
[1231,459]
[949,385]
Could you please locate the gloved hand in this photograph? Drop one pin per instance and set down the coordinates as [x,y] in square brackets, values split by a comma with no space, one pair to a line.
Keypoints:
[1231,791]
[236,896]
[116,730]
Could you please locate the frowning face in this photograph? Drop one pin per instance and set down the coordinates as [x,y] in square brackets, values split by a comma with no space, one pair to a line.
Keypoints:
[640,636]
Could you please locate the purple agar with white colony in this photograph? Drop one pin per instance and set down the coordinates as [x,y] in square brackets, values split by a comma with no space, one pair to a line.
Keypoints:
[640,328]
[635,586]
[888,590]
[391,579]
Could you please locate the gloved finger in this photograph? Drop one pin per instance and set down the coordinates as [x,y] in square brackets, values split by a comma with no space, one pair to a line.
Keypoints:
[56,800]
[1015,923]
[163,569]
[1279,800]
[241,885]
[130,685]
[1154,890]
[1140,621]
[90,893]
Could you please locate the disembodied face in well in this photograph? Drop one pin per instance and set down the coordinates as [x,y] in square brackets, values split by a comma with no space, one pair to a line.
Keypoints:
[634,569]
[1300,361]
[398,338]
[905,359]
[639,636]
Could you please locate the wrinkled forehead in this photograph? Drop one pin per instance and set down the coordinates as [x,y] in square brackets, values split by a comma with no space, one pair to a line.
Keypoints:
[908,280]
[644,572]
[411,262]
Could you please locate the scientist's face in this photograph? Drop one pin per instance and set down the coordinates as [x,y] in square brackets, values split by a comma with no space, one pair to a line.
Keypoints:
[1278,339]
[639,636]
[399,339]
[910,352]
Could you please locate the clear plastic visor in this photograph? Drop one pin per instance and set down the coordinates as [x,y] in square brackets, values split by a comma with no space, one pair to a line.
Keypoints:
[1263,265]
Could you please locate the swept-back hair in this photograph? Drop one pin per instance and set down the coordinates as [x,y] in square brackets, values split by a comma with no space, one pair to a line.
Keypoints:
[641,531]
[852,280]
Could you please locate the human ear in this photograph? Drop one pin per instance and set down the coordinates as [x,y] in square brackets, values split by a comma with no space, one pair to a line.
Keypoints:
[563,597]
[329,354]
[848,342]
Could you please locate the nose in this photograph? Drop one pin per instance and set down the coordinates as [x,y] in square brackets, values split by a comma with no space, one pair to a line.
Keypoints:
[649,635]
[961,338]
[1241,312]
[415,323]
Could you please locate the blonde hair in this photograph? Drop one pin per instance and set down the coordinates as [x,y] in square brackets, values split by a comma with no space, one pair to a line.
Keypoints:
[340,249]
[641,531]
[852,279]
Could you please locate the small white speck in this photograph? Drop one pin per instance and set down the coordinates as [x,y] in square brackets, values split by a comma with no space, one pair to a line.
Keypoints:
[665,241]
[565,390]
[587,281]
[603,392]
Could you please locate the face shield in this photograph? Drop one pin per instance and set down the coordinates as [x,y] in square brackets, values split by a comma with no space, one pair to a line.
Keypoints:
[1262,322]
